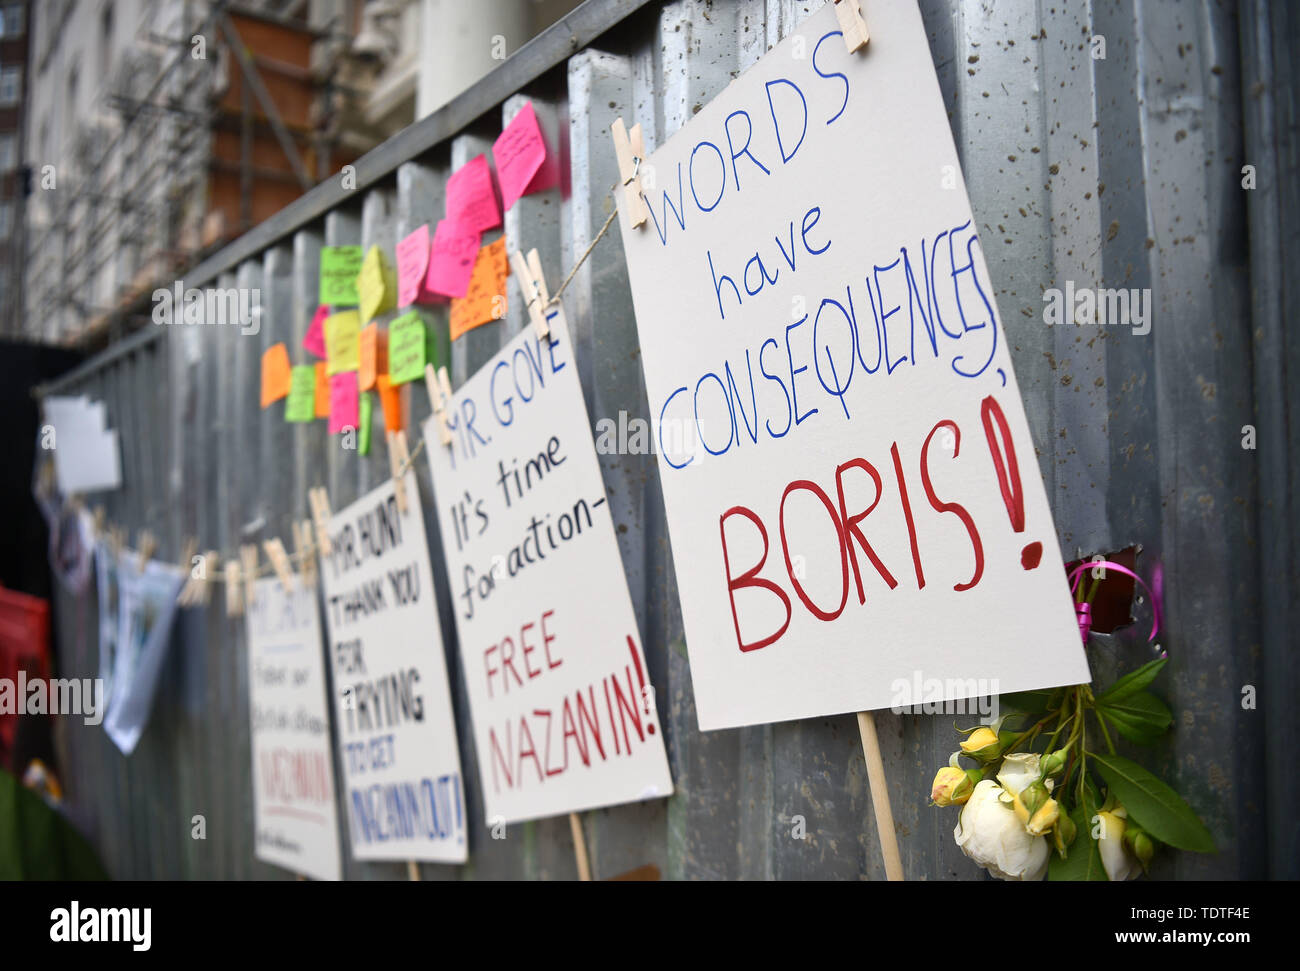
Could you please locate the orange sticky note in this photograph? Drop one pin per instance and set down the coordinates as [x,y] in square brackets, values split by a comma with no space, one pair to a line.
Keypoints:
[486,298]
[390,400]
[276,374]
[374,355]
[322,391]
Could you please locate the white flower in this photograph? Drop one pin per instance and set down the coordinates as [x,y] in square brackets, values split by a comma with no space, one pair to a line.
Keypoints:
[1019,770]
[990,834]
[1120,864]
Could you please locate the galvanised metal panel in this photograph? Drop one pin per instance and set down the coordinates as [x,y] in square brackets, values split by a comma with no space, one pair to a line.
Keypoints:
[1115,171]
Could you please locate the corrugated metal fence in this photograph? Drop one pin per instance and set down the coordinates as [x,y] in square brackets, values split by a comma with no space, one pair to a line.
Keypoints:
[1125,171]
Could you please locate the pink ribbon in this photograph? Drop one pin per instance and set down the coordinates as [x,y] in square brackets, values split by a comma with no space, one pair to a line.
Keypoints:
[1083,611]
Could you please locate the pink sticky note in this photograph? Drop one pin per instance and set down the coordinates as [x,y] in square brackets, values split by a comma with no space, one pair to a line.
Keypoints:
[344,402]
[314,340]
[521,158]
[451,260]
[471,199]
[412,264]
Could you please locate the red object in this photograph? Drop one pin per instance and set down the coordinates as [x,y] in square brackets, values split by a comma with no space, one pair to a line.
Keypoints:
[24,646]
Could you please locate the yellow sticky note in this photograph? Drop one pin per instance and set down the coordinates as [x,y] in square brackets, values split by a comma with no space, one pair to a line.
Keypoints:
[376,285]
[343,341]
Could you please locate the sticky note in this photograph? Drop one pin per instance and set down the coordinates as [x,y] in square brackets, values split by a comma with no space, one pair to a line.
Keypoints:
[314,340]
[275,373]
[376,285]
[451,259]
[406,343]
[322,391]
[301,405]
[343,401]
[373,356]
[390,400]
[412,266]
[339,266]
[521,158]
[342,340]
[365,417]
[486,298]
[471,198]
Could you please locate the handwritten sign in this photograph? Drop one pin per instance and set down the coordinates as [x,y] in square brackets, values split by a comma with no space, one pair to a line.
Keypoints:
[451,262]
[412,264]
[392,701]
[406,348]
[849,480]
[343,341]
[339,266]
[276,373]
[295,824]
[343,402]
[471,198]
[485,299]
[376,285]
[301,406]
[521,158]
[563,707]
[314,340]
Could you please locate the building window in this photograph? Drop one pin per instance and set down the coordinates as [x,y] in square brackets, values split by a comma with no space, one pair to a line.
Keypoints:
[8,152]
[13,23]
[11,86]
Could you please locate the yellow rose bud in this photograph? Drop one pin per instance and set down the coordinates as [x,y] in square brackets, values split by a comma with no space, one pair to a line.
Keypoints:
[951,787]
[1044,818]
[1028,801]
[1063,834]
[981,744]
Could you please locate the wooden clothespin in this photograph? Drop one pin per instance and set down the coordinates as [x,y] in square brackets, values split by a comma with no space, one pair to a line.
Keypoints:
[444,386]
[211,561]
[234,590]
[629,146]
[302,548]
[248,553]
[399,461]
[533,286]
[189,594]
[438,402]
[146,547]
[98,523]
[319,500]
[279,562]
[854,27]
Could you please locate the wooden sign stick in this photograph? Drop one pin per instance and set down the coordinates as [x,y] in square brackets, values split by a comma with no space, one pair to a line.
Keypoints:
[412,871]
[580,847]
[880,796]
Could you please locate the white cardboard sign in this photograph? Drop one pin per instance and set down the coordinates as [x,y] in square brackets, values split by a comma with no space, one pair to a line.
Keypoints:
[852,492]
[563,709]
[397,732]
[295,823]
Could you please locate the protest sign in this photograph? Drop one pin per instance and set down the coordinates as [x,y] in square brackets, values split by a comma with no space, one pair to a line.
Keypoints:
[392,701]
[850,484]
[295,824]
[562,705]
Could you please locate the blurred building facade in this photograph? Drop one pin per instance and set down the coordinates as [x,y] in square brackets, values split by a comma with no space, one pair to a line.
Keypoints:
[13,92]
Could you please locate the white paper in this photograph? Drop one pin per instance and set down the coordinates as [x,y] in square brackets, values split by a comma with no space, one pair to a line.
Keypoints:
[87,457]
[295,822]
[825,186]
[392,702]
[563,708]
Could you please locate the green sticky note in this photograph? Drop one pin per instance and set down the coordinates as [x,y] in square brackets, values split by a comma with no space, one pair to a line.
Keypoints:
[301,405]
[406,348]
[367,412]
[339,266]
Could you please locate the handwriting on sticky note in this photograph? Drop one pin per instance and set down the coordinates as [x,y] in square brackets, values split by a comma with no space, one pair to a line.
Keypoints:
[322,391]
[376,285]
[471,198]
[342,340]
[412,265]
[339,266]
[520,154]
[486,297]
[406,348]
[373,356]
[275,373]
[343,401]
[301,405]
[314,340]
[451,259]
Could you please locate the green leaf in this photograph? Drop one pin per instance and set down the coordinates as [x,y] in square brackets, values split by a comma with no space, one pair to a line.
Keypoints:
[1133,681]
[1139,716]
[1153,805]
[1032,702]
[1083,861]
